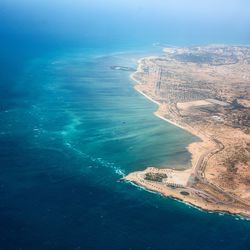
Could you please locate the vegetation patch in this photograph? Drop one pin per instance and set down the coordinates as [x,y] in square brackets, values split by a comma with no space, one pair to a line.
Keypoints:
[155,177]
[184,193]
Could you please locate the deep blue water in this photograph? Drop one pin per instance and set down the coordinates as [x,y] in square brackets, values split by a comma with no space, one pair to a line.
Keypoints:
[70,128]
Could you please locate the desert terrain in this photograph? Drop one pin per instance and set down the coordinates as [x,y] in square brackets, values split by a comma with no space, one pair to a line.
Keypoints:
[206,91]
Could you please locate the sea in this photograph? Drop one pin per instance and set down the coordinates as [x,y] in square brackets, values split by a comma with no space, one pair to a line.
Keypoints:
[70,128]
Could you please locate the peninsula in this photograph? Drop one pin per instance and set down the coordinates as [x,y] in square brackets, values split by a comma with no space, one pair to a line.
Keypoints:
[206,91]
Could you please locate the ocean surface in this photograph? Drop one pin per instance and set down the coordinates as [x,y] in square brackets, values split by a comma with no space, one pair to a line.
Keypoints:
[71,127]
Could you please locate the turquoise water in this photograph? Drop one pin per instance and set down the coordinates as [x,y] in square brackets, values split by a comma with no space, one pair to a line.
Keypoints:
[74,129]
[70,127]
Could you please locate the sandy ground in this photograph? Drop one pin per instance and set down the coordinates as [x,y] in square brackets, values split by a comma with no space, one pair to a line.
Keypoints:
[205,195]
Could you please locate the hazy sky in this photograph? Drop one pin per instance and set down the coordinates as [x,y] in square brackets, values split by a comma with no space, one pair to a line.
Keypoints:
[163,20]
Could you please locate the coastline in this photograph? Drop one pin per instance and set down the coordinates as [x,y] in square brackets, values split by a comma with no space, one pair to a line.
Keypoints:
[193,205]
[198,156]
[204,138]
[156,113]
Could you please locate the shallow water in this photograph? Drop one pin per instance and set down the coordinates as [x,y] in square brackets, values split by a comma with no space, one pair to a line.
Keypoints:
[70,129]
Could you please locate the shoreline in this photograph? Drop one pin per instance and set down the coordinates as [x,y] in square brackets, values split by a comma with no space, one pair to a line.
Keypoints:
[195,206]
[197,159]
[156,102]
[204,139]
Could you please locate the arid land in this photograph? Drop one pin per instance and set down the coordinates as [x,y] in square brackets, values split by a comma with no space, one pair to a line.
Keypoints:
[206,91]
